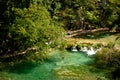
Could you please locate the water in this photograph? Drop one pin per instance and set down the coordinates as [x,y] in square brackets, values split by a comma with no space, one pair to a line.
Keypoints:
[45,71]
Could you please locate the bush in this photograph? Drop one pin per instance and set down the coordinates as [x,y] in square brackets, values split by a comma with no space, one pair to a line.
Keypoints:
[109,58]
[63,45]
[101,56]
[110,45]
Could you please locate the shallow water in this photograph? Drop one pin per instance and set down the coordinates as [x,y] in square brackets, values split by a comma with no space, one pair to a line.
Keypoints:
[45,71]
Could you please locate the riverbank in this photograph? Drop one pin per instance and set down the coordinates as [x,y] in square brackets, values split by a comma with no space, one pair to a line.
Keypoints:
[97,38]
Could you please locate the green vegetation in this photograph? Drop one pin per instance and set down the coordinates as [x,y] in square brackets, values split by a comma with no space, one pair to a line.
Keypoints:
[28,26]
[31,29]
[109,59]
[74,72]
[34,24]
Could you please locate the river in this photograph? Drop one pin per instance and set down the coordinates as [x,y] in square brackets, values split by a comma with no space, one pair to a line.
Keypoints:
[57,67]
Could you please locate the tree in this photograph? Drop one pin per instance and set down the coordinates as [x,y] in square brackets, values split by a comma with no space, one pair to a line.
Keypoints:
[31,26]
[87,14]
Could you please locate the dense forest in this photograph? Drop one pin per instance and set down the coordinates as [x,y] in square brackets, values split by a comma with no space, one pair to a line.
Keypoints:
[29,29]
[33,23]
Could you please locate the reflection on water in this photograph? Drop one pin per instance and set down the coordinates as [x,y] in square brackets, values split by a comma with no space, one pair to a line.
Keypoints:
[45,71]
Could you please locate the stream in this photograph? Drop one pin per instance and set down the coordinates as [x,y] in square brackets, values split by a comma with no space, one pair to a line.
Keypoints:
[57,67]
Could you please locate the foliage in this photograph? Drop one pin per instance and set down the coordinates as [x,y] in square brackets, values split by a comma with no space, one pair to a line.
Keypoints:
[63,45]
[87,14]
[30,27]
[70,46]
[109,58]
[76,14]
[37,23]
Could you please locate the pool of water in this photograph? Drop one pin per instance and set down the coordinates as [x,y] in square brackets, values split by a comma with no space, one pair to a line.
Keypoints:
[45,71]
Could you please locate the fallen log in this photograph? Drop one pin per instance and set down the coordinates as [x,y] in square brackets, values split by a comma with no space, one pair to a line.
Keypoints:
[79,32]
[17,54]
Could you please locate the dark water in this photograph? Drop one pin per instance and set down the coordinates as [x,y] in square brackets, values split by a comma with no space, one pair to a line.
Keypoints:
[45,71]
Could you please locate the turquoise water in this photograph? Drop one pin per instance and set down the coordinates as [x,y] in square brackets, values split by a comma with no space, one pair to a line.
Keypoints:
[45,71]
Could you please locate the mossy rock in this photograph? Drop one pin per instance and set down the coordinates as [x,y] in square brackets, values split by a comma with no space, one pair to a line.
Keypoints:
[78,47]
[70,47]
[98,45]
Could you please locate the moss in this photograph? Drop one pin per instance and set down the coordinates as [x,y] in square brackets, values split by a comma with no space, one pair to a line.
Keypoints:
[4,78]
[75,73]
[70,47]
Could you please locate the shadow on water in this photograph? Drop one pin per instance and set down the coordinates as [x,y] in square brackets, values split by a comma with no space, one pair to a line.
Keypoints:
[22,68]
[95,35]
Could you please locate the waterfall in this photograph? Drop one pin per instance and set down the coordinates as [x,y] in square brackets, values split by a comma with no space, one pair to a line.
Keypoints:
[84,49]
[91,51]
[74,49]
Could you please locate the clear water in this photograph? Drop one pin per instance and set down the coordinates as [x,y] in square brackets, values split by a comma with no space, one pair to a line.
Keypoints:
[45,71]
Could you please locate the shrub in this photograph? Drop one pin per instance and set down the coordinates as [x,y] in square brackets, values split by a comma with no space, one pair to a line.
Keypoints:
[101,56]
[110,45]
[63,45]
[109,58]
